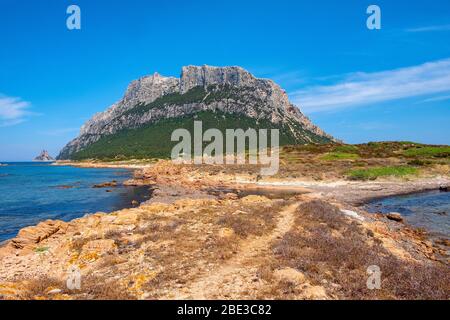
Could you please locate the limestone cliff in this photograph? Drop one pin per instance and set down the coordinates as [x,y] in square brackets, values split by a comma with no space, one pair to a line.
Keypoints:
[231,90]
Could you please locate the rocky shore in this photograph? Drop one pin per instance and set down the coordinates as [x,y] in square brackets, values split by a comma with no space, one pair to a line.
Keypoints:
[209,232]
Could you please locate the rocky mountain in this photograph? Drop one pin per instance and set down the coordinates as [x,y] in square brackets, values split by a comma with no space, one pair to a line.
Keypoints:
[44,156]
[154,104]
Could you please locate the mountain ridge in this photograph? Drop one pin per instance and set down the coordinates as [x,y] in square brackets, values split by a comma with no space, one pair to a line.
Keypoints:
[231,90]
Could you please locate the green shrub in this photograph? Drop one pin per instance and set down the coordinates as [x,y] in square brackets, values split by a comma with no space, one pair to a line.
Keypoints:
[438,152]
[347,148]
[339,156]
[374,173]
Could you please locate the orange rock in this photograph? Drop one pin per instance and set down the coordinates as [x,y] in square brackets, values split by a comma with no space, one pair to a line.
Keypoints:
[101,245]
[126,217]
[30,236]
[395,216]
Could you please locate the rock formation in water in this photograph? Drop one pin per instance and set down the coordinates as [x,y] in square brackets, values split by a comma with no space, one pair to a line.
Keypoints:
[44,156]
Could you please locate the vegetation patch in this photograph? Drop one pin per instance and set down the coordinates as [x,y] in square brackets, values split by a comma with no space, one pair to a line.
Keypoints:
[374,173]
[428,151]
[92,287]
[339,156]
[41,249]
[154,140]
[347,148]
[194,95]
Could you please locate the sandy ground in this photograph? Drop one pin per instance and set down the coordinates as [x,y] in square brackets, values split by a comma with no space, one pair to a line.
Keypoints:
[357,192]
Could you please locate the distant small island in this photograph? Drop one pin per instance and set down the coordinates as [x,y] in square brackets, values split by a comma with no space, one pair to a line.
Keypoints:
[44,156]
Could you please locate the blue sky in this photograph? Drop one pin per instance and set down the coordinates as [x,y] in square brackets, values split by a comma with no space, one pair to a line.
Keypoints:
[357,84]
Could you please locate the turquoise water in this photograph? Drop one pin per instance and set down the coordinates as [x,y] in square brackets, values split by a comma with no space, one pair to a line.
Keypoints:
[33,192]
[427,210]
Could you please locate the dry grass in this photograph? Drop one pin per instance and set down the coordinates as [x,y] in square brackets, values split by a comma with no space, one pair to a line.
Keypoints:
[314,161]
[334,252]
[100,288]
[91,287]
[256,222]
[193,242]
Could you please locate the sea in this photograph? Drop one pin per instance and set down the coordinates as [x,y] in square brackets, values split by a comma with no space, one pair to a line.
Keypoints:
[31,192]
[426,210]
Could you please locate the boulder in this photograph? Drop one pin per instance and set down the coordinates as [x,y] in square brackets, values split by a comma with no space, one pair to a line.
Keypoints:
[395,216]
[106,184]
[30,236]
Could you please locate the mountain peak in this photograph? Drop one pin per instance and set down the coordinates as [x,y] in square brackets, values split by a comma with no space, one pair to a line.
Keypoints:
[193,76]
[229,90]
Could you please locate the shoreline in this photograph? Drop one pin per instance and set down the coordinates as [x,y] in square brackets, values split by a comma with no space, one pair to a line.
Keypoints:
[326,190]
[183,203]
[419,185]
[106,165]
[140,194]
[418,192]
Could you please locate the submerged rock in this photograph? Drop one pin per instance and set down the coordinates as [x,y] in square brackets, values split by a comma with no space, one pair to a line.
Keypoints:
[110,184]
[395,216]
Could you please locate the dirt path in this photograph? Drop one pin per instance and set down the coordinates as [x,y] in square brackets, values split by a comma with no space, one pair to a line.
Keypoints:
[238,277]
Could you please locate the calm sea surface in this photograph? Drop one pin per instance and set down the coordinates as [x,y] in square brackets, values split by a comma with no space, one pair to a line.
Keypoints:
[31,192]
[428,210]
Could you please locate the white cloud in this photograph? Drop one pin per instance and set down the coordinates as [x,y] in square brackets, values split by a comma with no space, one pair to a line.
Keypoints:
[445,27]
[13,110]
[361,88]
[434,99]
[288,78]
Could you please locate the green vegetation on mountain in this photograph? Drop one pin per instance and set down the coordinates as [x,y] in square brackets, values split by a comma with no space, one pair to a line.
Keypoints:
[195,95]
[154,140]
[154,106]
